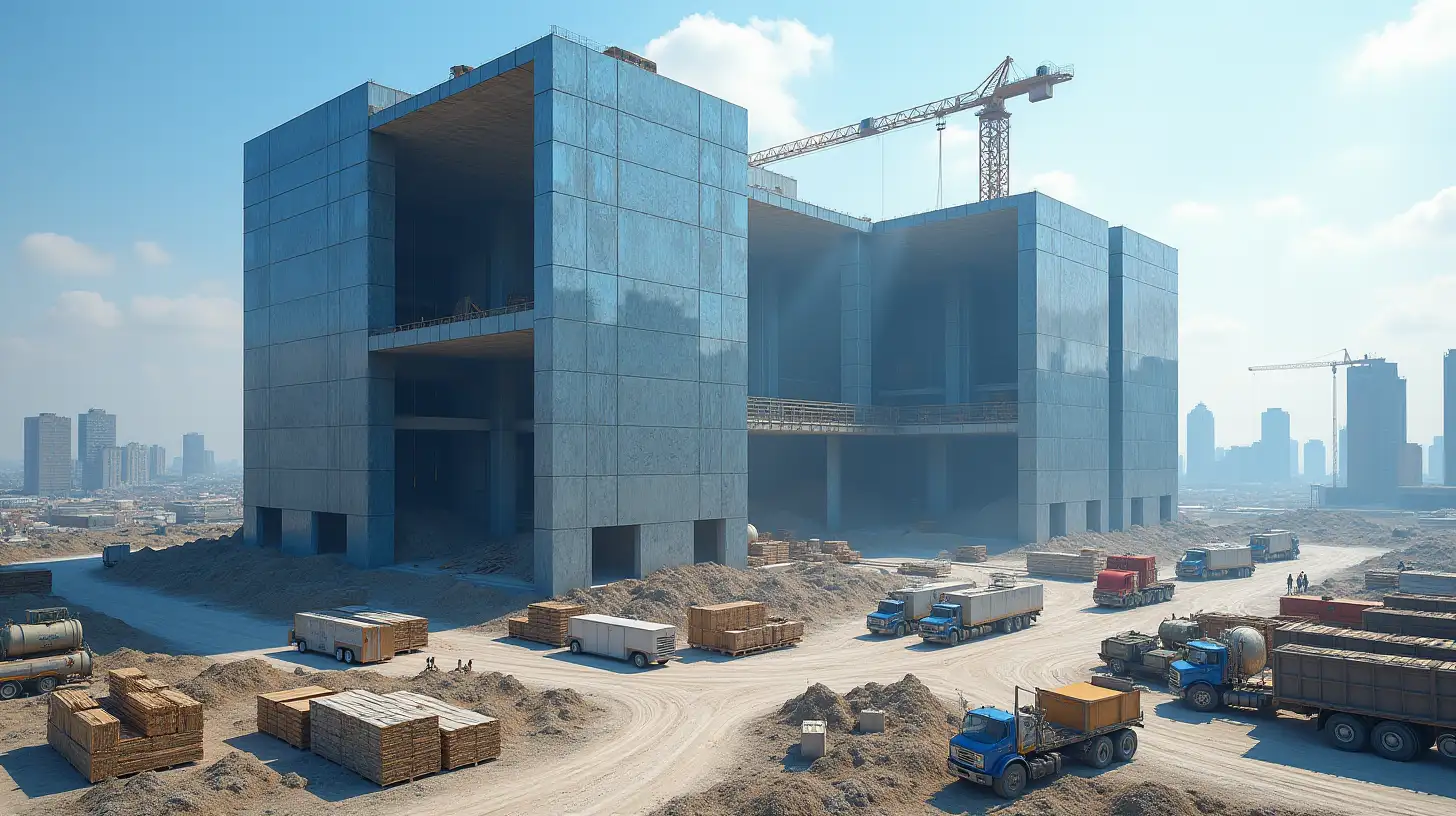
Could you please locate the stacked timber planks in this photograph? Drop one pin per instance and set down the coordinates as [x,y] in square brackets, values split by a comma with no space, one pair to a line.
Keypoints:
[123,681]
[284,714]
[545,622]
[1421,603]
[1382,579]
[840,551]
[25,582]
[466,737]
[101,738]
[378,738]
[811,550]
[770,552]
[740,627]
[926,569]
[1083,565]
[1420,582]
[971,554]
[1410,622]
[1358,640]
[756,561]
[411,632]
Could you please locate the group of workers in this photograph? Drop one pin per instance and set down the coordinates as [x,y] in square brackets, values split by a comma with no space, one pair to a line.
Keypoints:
[1299,584]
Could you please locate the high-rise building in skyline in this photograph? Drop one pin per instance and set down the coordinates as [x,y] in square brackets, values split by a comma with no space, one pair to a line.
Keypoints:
[1410,465]
[1294,470]
[1314,461]
[112,463]
[95,432]
[134,464]
[1200,445]
[1343,456]
[194,455]
[1274,450]
[48,455]
[1437,456]
[156,462]
[1448,418]
[1375,405]
[209,463]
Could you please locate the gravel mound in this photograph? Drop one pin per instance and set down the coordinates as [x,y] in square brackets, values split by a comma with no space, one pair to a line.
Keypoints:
[224,683]
[236,783]
[158,666]
[1075,796]
[819,703]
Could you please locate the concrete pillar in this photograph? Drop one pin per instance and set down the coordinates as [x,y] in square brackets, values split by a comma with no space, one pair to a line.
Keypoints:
[502,456]
[763,352]
[562,559]
[300,536]
[662,545]
[953,350]
[252,526]
[370,540]
[831,482]
[936,486]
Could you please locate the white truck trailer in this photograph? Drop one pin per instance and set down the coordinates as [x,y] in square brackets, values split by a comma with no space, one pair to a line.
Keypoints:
[348,640]
[902,608]
[1005,605]
[1221,560]
[642,642]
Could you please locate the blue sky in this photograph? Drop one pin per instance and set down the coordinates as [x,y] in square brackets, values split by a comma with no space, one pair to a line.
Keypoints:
[1297,155]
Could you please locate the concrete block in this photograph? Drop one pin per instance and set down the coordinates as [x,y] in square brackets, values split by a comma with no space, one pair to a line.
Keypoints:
[601,129]
[735,363]
[710,118]
[298,277]
[601,171]
[649,499]
[568,65]
[365,447]
[562,560]
[656,193]
[566,230]
[561,450]
[735,451]
[257,248]
[370,540]
[735,213]
[813,739]
[664,545]
[735,319]
[299,535]
[601,501]
[710,208]
[735,265]
[560,502]
[871,721]
[710,494]
[644,353]
[561,168]
[297,489]
[568,117]
[710,254]
[560,397]
[710,397]
[735,172]
[710,359]
[648,451]
[307,168]
[297,406]
[710,457]
[256,485]
[735,127]
[658,249]
[656,98]
[735,406]
[601,399]
[601,454]
[255,409]
[563,343]
[657,402]
[656,146]
[601,297]
[367,492]
[255,191]
[295,363]
[657,306]
[561,292]
[601,348]
[710,162]
[735,495]
[736,542]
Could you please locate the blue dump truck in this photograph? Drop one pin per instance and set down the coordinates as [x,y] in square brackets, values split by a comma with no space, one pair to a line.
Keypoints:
[899,613]
[1004,606]
[1217,561]
[1274,545]
[1087,722]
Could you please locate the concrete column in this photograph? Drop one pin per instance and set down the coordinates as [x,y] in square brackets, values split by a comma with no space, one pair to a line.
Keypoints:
[502,457]
[763,352]
[832,482]
[936,487]
[662,545]
[953,350]
[300,536]
[252,526]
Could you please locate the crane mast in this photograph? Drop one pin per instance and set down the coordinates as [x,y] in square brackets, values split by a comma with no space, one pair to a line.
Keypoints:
[1334,366]
[995,128]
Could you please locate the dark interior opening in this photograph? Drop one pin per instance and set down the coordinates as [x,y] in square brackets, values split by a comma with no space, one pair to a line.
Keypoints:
[270,527]
[332,530]
[1165,509]
[1094,516]
[614,553]
[709,543]
[1137,512]
[1058,519]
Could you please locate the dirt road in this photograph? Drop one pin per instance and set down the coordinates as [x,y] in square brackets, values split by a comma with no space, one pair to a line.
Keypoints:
[675,727]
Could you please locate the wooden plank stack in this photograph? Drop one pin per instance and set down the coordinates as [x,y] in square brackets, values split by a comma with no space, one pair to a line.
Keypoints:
[411,632]
[971,554]
[1083,565]
[1382,579]
[756,561]
[545,622]
[810,550]
[739,627]
[927,569]
[840,551]
[101,738]
[466,737]
[284,714]
[771,552]
[25,582]
[378,738]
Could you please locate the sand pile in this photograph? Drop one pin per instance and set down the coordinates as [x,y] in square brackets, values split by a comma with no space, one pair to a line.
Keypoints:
[224,683]
[1075,796]
[236,783]
[56,542]
[165,667]
[1423,548]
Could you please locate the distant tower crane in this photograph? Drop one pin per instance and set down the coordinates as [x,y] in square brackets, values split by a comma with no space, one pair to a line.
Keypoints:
[1334,366]
[990,96]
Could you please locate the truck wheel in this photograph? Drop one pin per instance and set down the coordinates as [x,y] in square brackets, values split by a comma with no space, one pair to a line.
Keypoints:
[1134,601]
[1117,666]
[574,646]
[1011,783]
[45,685]
[301,645]
[1124,744]
[1016,624]
[955,637]
[1202,697]
[639,660]
[902,630]
[1446,745]
[1394,741]
[1347,733]
[348,655]
[1101,753]
[9,690]
[339,654]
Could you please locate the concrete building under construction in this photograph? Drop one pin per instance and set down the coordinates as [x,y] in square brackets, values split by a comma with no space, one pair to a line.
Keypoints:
[543,298]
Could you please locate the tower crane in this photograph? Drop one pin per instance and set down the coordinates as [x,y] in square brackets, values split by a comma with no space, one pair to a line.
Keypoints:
[1334,366]
[990,96]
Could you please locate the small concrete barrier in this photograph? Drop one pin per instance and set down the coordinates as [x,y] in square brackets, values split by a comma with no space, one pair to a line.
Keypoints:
[872,721]
[813,739]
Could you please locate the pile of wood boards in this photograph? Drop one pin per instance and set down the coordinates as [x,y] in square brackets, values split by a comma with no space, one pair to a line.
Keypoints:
[740,627]
[380,739]
[840,551]
[927,569]
[1410,622]
[466,737]
[811,550]
[545,622]
[411,632]
[756,561]
[1084,564]
[971,554]
[120,735]
[1382,579]
[769,552]
[25,582]
[284,714]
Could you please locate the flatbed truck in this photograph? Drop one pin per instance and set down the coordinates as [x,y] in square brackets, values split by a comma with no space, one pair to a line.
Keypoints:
[1005,606]
[1089,722]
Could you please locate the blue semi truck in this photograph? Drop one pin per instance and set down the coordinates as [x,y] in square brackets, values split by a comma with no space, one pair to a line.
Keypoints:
[1217,561]
[1087,722]
[1004,606]
[1274,545]
[899,614]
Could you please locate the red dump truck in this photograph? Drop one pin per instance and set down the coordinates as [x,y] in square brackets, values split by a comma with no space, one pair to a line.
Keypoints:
[1129,581]
[1326,609]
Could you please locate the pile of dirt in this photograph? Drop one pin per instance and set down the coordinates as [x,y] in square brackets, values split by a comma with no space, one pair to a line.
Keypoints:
[266,582]
[814,593]
[103,632]
[1418,547]
[158,666]
[236,783]
[1107,796]
[224,683]
[56,542]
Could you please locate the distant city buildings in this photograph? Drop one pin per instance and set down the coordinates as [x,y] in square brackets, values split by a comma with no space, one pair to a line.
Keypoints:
[156,462]
[1275,446]
[113,468]
[1448,419]
[209,463]
[48,464]
[135,464]
[1436,454]
[1375,396]
[1314,461]
[95,432]
[1409,473]
[1343,477]
[1201,455]
[194,455]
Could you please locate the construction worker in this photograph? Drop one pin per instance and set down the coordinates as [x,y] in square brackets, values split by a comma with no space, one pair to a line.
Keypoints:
[1289,584]
[1303,582]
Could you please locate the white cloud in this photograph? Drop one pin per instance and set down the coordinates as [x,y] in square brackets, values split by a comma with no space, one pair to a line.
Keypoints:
[213,320]
[1425,223]
[1419,312]
[152,253]
[86,309]
[1426,40]
[1058,184]
[63,254]
[1280,206]
[1195,212]
[748,65]
[1209,327]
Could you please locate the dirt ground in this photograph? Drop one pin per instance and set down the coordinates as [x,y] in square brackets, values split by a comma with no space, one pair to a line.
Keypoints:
[1422,548]
[59,542]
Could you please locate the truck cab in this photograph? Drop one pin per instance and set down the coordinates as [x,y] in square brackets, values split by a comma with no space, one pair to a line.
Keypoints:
[888,618]
[1202,672]
[943,624]
[1191,564]
[985,743]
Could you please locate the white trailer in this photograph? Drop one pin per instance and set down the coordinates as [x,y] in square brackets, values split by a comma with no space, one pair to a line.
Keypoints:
[348,640]
[918,600]
[641,642]
[1006,605]
[1220,560]
[1274,545]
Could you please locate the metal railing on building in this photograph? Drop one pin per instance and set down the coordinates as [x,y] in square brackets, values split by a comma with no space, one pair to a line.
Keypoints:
[476,314]
[774,412]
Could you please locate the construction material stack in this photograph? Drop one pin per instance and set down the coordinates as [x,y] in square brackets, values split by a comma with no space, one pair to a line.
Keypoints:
[1358,640]
[25,582]
[811,550]
[1382,579]
[411,632]
[926,569]
[740,627]
[545,622]
[1418,582]
[143,725]
[769,552]
[284,714]
[1410,622]
[466,737]
[1081,565]
[382,740]
[1325,609]
[971,554]
[1421,603]
[840,551]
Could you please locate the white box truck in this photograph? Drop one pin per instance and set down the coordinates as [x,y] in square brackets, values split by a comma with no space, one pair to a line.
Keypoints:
[1219,560]
[1006,605]
[1274,545]
[902,608]
[641,642]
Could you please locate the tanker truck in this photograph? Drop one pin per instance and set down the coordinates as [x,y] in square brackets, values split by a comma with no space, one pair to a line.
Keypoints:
[40,654]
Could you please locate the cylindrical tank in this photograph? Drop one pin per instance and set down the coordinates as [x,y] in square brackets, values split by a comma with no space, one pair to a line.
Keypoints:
[752,534]
[76,663]
[1246,649]
[1176,632]
[22,639]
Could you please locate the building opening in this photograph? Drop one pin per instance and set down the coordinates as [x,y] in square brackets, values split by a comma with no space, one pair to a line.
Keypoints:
[1058,519]
[709,543]
[614,553]
[270,527]
[332,530]
[1094,516]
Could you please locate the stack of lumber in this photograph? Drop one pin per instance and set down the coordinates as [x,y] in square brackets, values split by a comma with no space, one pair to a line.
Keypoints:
[380,739]
[783,535]
[806,550]
[123,681]
[466,737]
[1083,565]
[1382,579]
[756,561]
[771,552]
[840,551]
[1419,582]
[25,582]
[411,632]
[739,627]
[971,554]
[545,622]
[284,714]
[927,569]
[105,738]
[1421,603]
[1410,622]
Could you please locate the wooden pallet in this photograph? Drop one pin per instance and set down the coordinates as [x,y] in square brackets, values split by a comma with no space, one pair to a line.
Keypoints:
[751,650]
